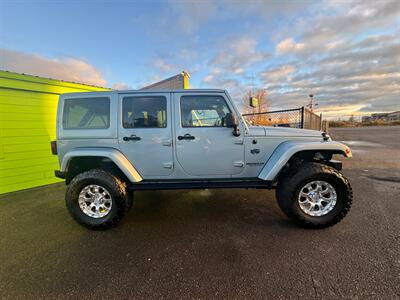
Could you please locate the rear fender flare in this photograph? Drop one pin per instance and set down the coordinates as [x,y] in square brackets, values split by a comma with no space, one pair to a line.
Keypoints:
[114,155]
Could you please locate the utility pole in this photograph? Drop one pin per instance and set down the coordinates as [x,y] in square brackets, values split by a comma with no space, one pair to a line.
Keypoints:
[252,89]
[311,104]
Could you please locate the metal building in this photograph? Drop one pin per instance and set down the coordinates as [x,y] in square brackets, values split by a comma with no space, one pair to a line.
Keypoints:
[27,125]
[179,81]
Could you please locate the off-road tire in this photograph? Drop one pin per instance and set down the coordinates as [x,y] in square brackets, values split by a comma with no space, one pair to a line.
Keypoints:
[293,180]
[121,199]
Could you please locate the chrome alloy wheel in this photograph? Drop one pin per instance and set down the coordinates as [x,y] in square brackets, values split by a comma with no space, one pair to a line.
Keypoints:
[95,201]
[317,198]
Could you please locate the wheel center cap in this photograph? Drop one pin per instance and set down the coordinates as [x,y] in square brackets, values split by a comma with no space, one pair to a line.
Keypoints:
[97,199]
[314,196]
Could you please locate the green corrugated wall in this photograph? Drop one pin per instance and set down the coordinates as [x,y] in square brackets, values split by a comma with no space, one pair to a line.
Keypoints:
[28,107]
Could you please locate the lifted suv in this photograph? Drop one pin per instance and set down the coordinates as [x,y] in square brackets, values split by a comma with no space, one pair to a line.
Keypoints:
[110,144]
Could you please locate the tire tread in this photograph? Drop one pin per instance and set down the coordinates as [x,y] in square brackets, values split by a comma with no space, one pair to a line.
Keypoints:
[120,196]
[287,186]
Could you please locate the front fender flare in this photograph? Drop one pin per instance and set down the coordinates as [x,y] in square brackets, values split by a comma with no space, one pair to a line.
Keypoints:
[286,150]
[113,154]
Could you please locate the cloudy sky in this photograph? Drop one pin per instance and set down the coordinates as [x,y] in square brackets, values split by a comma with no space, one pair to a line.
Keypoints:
[347,53]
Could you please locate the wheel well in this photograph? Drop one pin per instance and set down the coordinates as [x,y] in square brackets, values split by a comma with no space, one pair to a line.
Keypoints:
[81,164]
[312,155]
[320,156]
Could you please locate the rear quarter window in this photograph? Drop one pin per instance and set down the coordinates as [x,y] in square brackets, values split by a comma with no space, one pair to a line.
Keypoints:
[86,113]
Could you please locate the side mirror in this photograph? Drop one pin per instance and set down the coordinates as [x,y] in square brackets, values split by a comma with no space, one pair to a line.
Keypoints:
[232,121]
[253,102]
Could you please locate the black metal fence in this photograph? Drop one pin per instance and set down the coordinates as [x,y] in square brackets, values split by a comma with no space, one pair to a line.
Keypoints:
[296,118]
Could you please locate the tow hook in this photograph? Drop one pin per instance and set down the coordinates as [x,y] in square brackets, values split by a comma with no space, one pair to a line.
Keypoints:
[325,137]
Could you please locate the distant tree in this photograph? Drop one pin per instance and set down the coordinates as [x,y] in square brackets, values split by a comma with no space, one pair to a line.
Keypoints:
[351,119]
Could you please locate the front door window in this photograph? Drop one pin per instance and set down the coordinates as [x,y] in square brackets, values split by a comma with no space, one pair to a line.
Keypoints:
[203,111]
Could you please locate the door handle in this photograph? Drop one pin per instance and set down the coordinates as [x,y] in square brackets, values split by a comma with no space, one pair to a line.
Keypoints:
[187,136]
[131,138]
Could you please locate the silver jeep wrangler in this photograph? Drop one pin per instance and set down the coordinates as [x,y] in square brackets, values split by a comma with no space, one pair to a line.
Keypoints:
[110,144]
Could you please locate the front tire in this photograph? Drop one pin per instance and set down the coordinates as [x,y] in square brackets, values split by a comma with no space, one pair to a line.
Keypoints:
[97,200]
[314,195]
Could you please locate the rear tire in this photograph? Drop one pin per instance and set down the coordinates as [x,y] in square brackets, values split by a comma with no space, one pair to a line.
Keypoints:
[314,195]
[97,199]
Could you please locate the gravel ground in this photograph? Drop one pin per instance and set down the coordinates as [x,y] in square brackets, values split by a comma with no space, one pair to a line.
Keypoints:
[213,243]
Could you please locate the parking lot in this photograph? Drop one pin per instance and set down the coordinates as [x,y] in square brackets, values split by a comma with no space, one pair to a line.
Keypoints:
[213,243]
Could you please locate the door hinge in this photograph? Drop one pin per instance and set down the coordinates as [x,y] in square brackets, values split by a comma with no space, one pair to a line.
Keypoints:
[168,165]
[167,143]
[238,163]
[239,142]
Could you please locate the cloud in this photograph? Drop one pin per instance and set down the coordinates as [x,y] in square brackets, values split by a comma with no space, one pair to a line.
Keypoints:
[192,14]
[237,54]
[163,66]
[346,53]
[190,17]
[227,68]
[121,86]
[212,75]
[187,54]
[65,68]
[288,45]
[265,9]
[333,25]
[345,110]
[281,73]
[361,77]
[359,15]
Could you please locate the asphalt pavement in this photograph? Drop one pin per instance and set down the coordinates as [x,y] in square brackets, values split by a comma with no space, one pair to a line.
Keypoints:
[207,244]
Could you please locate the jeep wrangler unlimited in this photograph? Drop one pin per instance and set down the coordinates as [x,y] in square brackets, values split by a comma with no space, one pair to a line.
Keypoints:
[110,144]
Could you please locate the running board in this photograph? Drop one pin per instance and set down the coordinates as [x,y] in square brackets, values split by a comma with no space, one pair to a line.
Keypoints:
[200,184]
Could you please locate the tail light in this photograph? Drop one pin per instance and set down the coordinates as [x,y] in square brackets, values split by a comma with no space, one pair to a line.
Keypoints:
[53,147]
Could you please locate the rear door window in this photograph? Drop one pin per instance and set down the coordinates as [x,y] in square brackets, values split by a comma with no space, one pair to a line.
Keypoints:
[86,113]
[145,112]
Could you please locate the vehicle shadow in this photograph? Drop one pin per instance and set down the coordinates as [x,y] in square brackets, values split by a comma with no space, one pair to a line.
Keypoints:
[235,207]
[189,234]
[185,232]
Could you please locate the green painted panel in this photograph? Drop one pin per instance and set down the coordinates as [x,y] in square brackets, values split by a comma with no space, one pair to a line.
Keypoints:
[28,117]
[24,163]
[28,107]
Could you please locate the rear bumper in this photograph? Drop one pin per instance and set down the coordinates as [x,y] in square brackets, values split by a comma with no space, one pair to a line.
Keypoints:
[59,174]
